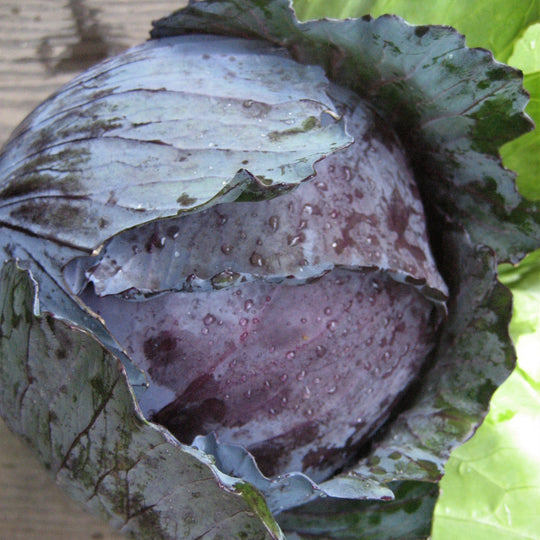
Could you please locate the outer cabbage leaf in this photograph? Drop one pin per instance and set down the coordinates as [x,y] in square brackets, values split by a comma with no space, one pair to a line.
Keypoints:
[78,412]
[511,35]
[357,214]
[407,516]
[452,106]
[119,146]
[506,19]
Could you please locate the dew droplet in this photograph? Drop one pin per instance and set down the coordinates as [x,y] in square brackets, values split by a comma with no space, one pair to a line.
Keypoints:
[320,351]
[322,186]
[248,304]
[309,412]
[303,320]
[290,355]
[204,330]
[256,259]
[208,319]
[334,214]
[244,336]
[347,175]
[272,411]
[387,355]
[331,390]
[328,310]
[294,239]
[243,378]
[267,384]
[243,321]
[283,377]
[302,224]
[226,249]
[317,380]
[307,392]
[332,326]
[284,400]
[301,376]
[308,209]
[255,321]
[376,285]
[273,221]
[248,394]
[369,341]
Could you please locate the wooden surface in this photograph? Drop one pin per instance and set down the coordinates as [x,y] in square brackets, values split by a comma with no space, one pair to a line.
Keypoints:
[43,44]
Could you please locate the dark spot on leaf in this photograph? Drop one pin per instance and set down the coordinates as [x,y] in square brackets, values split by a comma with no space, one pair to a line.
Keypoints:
[194,412]
[186,200]
[498,74]
[153,243]
[267,454]
[159,349]
[421,31]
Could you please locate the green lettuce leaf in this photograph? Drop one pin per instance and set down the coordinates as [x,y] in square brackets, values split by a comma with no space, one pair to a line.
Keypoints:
[522,154]
[492,483]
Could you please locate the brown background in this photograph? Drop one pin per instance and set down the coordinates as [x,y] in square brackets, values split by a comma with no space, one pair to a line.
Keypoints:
[43,44]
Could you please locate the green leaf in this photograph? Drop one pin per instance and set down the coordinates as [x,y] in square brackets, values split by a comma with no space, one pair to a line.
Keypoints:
[522,155]
[492,483]
[79,414]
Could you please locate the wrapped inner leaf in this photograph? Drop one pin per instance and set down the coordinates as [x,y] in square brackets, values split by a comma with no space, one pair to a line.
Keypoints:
[292,335]
[300,375]
[362,211]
